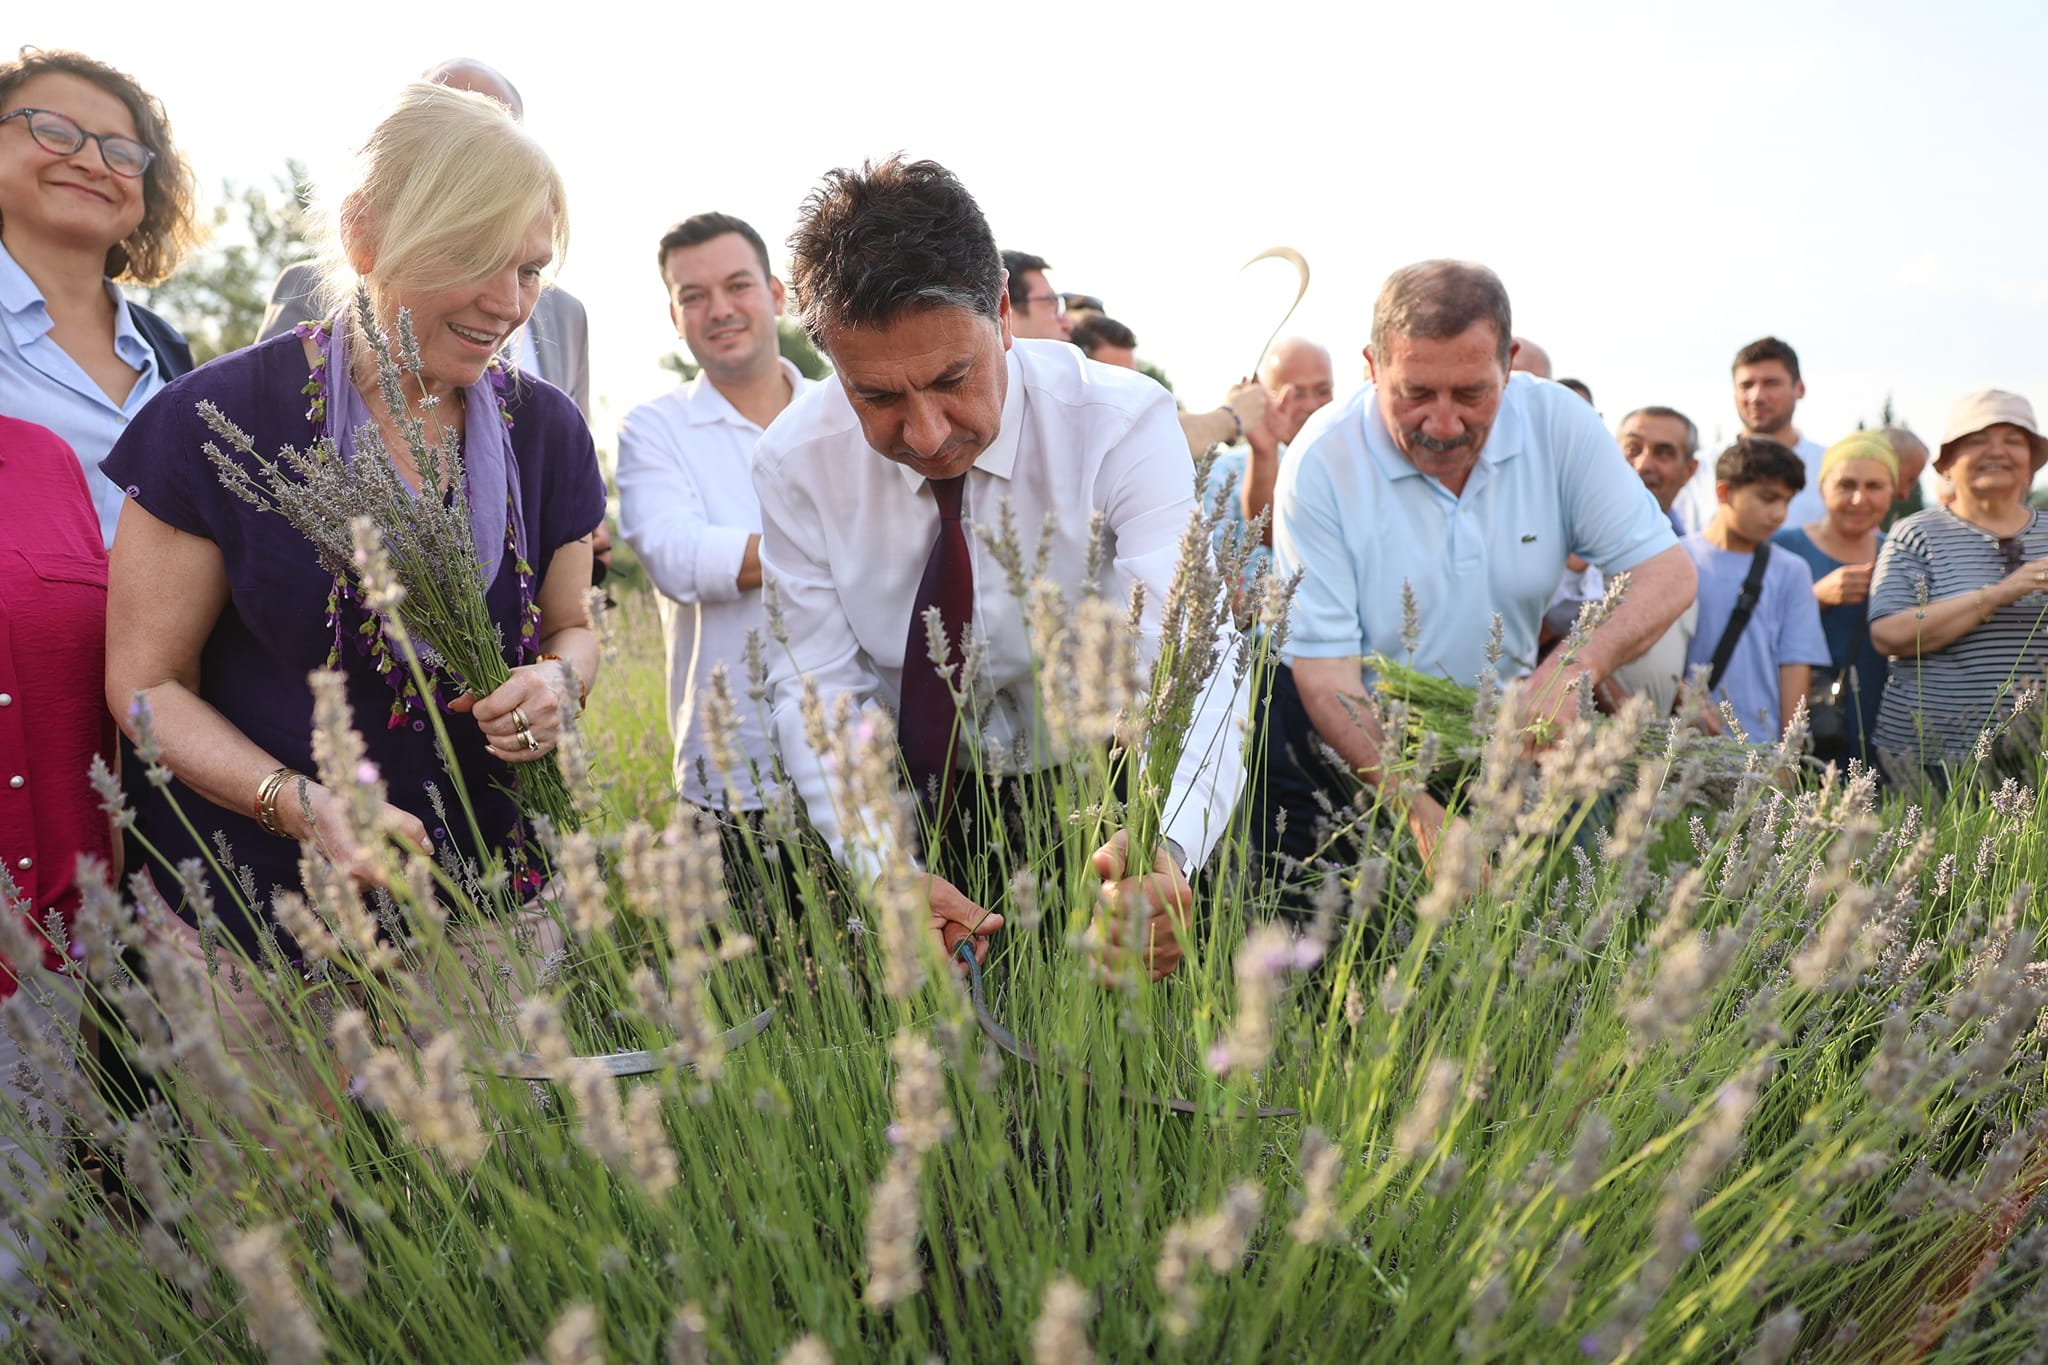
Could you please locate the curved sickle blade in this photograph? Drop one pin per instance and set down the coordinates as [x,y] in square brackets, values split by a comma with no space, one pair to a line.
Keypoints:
[1025,1053]
[1300,264]
[524,1066]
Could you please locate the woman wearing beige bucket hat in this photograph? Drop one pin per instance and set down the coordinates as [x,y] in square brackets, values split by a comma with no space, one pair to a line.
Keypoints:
[1960,596]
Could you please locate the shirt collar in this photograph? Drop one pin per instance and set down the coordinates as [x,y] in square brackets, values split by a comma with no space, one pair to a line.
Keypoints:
[129,343]
[1000,458]
[707,405]
[28,317]
[27,314]
[1503,442]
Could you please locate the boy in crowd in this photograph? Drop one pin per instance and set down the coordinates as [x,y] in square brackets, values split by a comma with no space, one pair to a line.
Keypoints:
[1759,627]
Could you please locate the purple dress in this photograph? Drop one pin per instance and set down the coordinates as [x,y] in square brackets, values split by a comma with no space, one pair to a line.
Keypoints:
[274,630]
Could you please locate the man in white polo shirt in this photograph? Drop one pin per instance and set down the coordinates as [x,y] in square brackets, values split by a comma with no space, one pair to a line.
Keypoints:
[1451,479]
[686,491]
[873,484]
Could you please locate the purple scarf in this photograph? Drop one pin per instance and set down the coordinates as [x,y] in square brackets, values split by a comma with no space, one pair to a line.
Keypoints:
[490,472]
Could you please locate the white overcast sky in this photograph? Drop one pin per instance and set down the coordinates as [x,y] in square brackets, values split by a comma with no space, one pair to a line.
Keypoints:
[1656,184]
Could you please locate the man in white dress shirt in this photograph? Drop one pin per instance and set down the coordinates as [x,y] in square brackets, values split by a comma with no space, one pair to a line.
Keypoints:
[686,492]
[936,416]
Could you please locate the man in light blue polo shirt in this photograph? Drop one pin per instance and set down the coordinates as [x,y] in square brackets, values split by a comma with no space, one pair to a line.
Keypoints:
[1470,488]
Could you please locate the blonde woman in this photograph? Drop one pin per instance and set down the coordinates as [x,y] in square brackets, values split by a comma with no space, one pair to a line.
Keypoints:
[218,610]
[92,192]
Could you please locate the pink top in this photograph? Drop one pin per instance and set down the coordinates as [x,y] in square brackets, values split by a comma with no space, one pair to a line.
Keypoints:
[53,658]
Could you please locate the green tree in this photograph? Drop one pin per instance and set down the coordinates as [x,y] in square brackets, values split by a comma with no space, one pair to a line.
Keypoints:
[798,351]
[218,298]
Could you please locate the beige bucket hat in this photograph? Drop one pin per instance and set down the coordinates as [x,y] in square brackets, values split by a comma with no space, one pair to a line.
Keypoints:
[1987,408]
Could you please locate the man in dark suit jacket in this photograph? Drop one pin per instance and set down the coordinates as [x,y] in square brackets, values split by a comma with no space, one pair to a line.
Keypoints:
[559,328]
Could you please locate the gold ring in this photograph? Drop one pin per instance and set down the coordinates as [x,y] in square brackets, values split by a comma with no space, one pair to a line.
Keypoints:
[526,734]
[519,720]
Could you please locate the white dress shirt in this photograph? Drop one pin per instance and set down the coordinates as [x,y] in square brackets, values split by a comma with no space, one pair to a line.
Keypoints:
[41,383]
[687,507]
[846,532]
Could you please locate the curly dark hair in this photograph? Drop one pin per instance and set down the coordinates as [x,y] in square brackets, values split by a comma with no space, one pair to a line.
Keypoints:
[149,254]
[887,239]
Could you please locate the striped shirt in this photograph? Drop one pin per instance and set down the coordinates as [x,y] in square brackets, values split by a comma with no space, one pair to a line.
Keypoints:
[1936,705]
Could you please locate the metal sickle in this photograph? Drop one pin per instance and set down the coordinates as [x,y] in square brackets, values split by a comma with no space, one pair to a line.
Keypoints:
[1300,264]
[524,1066]
[1025,1053]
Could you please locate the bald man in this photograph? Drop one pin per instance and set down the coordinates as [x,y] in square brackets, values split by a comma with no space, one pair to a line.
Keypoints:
[1526,356]
[554,344]
[1296,380]
[1912,455]
[467,73]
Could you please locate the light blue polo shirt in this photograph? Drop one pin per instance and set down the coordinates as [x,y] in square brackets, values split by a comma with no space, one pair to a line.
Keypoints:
[1360,520]
[41,383]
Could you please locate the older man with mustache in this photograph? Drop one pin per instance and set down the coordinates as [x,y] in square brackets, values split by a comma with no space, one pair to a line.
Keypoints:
[1444,495]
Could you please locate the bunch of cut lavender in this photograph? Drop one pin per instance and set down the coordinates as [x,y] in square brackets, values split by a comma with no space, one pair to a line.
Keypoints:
[429,562]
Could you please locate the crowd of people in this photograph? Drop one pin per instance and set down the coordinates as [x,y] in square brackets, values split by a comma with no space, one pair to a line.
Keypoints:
[1457,513]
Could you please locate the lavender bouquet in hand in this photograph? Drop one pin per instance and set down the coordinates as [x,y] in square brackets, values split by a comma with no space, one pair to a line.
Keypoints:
[428,604]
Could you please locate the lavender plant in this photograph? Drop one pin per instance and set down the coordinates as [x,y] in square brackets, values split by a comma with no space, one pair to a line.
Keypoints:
[1764,1081]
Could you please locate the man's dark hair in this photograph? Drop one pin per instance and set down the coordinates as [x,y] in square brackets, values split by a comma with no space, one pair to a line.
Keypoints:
[874,243]
[1578,386]
[700,228]
[1438,300]
[1765,349]
[1692,432]
[1019,263]
[1102,330]
[1757,459]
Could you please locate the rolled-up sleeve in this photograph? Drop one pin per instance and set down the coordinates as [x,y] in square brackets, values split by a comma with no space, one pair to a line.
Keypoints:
[820,650]
[1904,570]
[1308,536]
[1149,505]
[663,516]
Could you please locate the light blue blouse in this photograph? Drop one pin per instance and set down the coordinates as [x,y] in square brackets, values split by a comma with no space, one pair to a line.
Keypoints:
[41,383]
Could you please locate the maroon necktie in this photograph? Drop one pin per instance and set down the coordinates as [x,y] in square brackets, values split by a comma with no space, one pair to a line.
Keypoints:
[928,723]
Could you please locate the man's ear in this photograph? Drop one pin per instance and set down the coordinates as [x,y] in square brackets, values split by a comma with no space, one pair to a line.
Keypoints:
[1722,490]
[776,292]
[1372,373]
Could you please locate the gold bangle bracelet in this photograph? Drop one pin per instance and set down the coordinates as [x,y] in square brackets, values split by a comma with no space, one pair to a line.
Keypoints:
[266,798]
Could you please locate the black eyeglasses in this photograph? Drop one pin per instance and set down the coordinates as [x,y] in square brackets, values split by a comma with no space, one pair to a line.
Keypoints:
[59,135]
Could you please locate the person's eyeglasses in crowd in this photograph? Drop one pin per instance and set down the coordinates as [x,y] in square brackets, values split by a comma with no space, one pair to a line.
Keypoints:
[58,135]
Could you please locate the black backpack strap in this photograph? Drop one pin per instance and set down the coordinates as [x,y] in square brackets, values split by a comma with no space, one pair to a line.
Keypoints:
[173,355]
[1738,619]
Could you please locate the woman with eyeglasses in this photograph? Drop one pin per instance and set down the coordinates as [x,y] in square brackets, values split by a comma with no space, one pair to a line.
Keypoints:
[1959,600]
[92,191]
